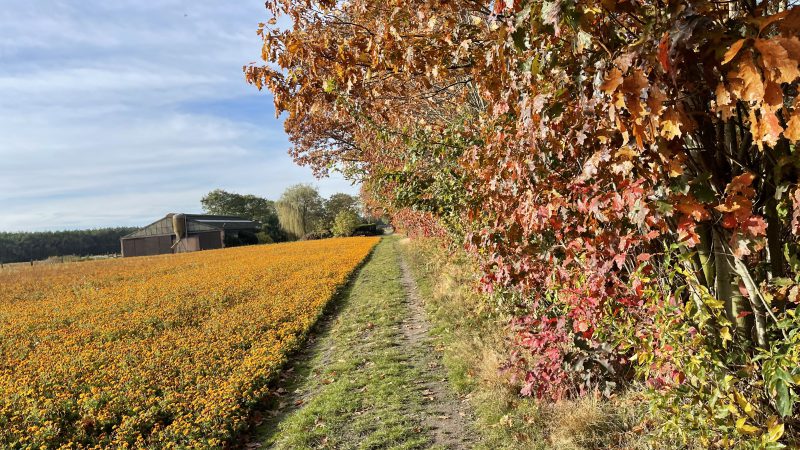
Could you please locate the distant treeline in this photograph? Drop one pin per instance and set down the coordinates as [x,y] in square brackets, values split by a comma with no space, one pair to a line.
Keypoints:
[18,247]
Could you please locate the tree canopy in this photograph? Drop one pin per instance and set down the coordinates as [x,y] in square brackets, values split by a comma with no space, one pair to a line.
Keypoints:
[301,210]
[18,247]
[628,168]
[221,202]
[339,203]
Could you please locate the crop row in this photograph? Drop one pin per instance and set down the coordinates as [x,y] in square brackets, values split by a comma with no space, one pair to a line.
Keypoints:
[158,352]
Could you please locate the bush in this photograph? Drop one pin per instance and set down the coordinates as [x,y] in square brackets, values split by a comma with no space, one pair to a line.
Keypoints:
[264,238]
[345,224]
[625,174]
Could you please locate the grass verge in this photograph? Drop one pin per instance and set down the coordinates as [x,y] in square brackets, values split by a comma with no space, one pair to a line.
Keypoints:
[358,389]
[473,337]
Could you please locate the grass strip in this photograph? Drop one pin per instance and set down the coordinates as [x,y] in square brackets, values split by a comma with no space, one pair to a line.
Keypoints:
[361,388]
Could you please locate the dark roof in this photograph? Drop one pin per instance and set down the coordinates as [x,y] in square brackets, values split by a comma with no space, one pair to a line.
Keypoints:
[196,223]
[223,222]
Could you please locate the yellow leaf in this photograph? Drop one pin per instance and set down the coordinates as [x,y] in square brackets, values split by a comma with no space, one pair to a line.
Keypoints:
[743,427]
[743,403]
[774,429]
[725,333]
[671,124]
[792,131]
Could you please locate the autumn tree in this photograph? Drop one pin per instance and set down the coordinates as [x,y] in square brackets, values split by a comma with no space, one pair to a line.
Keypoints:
[627,168]
[345,224]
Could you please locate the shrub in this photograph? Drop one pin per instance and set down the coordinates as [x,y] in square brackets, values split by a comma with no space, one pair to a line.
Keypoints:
[626,173]
[264,238]
[345,224]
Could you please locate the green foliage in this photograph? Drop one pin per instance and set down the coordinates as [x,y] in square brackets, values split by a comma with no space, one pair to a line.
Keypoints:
[300,210]
[345,224]
[338,204]
[18,247]
[264,238]
[225,203]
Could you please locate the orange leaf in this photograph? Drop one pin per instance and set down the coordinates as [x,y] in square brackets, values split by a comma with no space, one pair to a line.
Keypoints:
[770,128]
[764,22]
[792,131]
[663,53]
[733,51]
[792,46]
[612,82]
[741,184]
[692,208]
[753,84]
[775,57]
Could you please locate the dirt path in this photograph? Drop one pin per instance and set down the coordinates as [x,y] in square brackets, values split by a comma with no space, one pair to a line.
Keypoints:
[447,416]
[370,378]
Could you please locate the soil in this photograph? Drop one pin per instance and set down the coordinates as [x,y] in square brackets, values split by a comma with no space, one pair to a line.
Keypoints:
[447,416]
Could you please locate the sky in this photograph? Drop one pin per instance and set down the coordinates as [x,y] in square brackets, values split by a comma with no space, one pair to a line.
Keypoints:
[114,113]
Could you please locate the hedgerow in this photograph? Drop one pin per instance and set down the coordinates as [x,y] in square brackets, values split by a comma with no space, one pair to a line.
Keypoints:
[625,171]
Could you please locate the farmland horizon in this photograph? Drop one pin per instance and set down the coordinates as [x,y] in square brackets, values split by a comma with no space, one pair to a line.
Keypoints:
[136,127]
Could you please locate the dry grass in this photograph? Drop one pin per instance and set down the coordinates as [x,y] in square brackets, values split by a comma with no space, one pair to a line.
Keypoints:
[473,334]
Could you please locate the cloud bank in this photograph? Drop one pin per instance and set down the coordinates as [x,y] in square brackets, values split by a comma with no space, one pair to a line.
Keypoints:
[115,113]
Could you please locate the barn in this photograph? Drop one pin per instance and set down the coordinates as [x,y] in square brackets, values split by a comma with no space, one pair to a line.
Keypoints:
[181,233]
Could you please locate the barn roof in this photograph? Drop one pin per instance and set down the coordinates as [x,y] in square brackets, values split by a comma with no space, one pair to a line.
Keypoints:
[195,223]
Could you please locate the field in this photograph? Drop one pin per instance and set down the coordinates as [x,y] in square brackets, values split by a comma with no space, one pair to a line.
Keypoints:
[160,351]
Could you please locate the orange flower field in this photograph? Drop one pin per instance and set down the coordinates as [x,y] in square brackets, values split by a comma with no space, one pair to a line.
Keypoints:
[158,352]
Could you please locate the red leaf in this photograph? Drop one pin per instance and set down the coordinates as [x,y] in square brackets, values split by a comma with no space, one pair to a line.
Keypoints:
[686,232]
[743,289]
[663,53]
[729,221]
[755,226]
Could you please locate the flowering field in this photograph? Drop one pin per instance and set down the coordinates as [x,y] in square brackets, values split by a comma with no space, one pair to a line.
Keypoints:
[167,351]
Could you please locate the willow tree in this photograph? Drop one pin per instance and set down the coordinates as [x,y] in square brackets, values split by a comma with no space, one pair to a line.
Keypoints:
[300,210]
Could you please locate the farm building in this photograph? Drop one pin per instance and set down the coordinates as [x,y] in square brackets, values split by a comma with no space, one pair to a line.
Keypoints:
[180,233]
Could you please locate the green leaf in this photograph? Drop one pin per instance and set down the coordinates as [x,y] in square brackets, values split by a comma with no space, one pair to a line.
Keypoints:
[782,282]
[783,398]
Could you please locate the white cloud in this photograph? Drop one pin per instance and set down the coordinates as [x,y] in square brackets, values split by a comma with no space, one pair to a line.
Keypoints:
[114,113]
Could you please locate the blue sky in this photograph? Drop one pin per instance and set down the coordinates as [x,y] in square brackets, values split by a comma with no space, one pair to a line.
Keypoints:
[118,112]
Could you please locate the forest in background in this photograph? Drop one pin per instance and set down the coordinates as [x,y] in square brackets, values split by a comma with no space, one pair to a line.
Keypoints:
[300,213]
[35,246]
